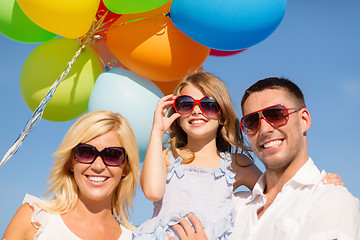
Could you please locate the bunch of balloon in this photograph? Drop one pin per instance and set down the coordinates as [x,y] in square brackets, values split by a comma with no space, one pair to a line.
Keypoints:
[84,21]
[149,45]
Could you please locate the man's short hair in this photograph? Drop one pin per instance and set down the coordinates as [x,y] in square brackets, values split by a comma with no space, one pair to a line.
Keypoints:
[275,83]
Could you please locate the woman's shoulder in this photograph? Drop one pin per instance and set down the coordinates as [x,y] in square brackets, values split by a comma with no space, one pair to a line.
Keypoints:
[21,226]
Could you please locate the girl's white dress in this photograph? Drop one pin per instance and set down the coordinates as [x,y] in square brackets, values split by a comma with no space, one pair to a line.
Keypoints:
[206,192]
[52,225]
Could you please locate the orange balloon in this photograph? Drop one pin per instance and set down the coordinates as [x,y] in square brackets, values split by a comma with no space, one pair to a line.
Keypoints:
[149,45]
[167,87]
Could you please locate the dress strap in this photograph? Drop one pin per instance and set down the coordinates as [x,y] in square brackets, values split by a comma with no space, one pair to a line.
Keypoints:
[175,166]
[225,168]
[40,217]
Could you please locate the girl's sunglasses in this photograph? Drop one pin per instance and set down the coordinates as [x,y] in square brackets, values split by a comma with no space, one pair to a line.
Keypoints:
[111,156]
[276,116]
[185,104]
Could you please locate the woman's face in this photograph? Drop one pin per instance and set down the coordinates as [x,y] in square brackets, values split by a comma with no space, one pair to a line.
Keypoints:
[97,181]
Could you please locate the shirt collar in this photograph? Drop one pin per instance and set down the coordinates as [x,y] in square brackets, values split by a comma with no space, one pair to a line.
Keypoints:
[307,175]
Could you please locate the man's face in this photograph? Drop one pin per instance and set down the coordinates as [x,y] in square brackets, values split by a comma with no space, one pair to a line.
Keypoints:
[278,147]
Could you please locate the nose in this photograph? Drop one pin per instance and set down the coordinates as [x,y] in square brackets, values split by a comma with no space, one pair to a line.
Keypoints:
[197,109]
[98,165]
[265,127]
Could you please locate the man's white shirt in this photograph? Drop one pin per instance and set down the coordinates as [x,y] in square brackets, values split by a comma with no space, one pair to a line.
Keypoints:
[305,209]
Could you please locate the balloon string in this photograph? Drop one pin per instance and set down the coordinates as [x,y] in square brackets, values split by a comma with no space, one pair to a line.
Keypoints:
[37,114]
[146,18]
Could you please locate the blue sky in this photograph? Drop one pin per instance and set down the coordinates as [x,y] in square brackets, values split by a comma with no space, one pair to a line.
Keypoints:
[317,46]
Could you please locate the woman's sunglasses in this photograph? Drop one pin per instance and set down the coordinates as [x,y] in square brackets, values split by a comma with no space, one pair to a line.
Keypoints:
[276,116]
[185,104]
[111,156]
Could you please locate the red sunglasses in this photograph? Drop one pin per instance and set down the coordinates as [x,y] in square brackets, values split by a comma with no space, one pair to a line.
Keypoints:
[185,104]
[111,156]
[276,116]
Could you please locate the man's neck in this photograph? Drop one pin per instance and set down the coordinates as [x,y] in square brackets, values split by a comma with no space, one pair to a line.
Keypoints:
[275,179]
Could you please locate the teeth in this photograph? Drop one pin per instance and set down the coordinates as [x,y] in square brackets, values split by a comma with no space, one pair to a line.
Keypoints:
[272,144]
[197,121]
[97,179]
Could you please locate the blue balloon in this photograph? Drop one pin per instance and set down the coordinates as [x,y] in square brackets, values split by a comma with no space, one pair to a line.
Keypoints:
[227,24]
[134,97]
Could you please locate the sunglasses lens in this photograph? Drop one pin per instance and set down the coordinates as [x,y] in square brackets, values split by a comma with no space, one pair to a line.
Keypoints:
[114,156]
[209,106]
[276,115]
[250,123]
[184,104]
[84,154]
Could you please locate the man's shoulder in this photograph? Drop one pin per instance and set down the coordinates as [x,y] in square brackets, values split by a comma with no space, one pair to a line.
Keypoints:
[335,195]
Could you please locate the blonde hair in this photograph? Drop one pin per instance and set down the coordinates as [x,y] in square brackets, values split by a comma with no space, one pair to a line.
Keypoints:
[229,132]
[63,189]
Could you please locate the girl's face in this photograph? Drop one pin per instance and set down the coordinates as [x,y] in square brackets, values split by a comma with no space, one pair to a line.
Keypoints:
[196,124]
[97,181]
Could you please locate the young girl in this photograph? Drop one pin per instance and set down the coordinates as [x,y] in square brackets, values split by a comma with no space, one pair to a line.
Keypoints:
[202,166]
[93,182]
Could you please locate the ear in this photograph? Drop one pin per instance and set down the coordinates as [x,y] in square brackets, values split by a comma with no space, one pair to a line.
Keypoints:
[305,120]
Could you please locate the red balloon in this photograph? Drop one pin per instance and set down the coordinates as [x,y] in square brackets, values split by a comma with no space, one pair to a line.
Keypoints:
[110,16]
[220,53]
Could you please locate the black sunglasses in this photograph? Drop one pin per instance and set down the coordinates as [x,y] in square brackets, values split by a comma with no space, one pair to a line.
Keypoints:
[276,116]
[111,156]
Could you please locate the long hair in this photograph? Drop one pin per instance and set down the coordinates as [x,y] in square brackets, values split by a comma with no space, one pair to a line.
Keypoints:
[63,189]
[229,132]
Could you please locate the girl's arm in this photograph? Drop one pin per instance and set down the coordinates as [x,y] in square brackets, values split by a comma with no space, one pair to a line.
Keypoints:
[247,173]
[153,174]
[20,226]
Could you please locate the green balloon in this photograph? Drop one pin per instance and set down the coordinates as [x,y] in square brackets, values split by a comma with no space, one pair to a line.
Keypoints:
[15,25]
[133,6]
[45,64]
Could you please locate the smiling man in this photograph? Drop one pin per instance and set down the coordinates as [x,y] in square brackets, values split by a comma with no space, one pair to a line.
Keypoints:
[289,201]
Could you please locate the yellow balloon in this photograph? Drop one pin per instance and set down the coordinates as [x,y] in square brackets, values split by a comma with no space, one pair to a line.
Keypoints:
[67,18]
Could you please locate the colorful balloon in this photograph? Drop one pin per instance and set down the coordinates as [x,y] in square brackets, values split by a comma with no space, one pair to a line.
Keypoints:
[219,53]
[110,16]
[131,6]
[134,97]
[45,64]
[228,24]
[67,18]
[16,25]
[151,46]
[106,57]
[167,87]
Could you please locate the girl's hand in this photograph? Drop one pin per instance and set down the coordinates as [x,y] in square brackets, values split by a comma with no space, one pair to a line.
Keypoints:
[333,178]
[161,121]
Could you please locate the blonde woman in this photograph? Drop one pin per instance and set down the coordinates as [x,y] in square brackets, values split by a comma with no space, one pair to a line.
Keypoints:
[92,185]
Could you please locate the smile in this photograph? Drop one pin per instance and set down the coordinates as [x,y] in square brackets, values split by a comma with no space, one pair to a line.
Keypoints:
[197,121]
[97,178]
[272,144]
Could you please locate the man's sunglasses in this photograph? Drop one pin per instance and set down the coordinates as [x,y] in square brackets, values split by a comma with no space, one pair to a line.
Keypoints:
[185,104]
[276,116]
[111,156]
